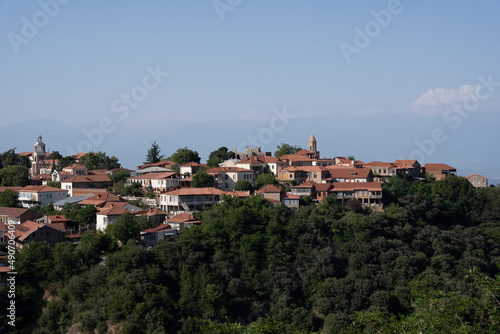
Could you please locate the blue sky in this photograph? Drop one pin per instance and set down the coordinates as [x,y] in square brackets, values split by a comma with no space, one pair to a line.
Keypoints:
[226,76]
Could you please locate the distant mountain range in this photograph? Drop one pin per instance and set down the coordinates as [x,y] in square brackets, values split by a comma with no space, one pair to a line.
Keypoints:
[367,137]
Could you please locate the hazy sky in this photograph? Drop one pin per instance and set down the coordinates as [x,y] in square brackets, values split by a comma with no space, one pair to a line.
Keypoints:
[132,72]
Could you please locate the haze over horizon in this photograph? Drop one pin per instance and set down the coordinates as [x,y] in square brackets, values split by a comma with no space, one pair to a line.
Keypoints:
[380,80]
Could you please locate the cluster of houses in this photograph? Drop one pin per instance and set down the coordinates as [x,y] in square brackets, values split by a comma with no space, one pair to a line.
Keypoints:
[303,173]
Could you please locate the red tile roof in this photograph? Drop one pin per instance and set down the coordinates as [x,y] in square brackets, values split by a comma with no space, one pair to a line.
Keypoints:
[196,191]
[112,211]
[42,189]
[154,176]
[401,163]
[192,164]
[476,175]
[380,164]
[101,198]
[352,186]
[2,189]
[437,166]
[88,179]
[12,212]
[183,218]
[270,188]
[217,170]
[58,218]
[295,157]
[75,166]
[260,159]
[161,227]
[349,173]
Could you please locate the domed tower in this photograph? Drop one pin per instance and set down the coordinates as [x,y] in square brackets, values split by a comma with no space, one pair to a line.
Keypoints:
[39,156]
[313,146]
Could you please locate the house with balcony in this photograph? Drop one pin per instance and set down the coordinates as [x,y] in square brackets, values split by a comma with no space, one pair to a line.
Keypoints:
[261,164]
[32,231]
[186,200]
[156,181]
[182,220]
[31,196]
[225,178]
[368,193]
[345,174]
[162,232]
[17,215]
[386,169]
[108,215]
[299,174]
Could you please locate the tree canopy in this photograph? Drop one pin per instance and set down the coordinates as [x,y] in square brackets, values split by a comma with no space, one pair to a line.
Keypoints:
[264,179]
[14,175]
[9,198]
[99,160]
[202,179]
[218,156]
[153,155]
[184,155]
[284,149]
[10,158]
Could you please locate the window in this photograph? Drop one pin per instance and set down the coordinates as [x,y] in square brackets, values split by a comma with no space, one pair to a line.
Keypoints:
[472,181]
[484,181]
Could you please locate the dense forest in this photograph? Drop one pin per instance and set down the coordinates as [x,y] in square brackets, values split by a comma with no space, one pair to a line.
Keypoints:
[428,264]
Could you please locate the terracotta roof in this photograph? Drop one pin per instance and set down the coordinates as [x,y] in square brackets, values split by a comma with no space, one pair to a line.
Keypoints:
[192,164]
[260,159]
[216,170]
[75,166]
[2,189]
[289,196]
[352,186]
[304,168]
[60,226]
[350,173]
[306,184]
[46,177]
[155,212]
[25,154]
[241,194]
[183,218]
[154,176]
[27,228]
[295,157]
[476,175]
[42,189]
[158,164]
[58,218]
[269,188]
[12,212]
[79,155]
[305,152]
[432,166]
[101,198]
[98,171]
[323,187]
[161,227]
[196,191]
[380,164]
[401,163]
[112,211]
[88,179]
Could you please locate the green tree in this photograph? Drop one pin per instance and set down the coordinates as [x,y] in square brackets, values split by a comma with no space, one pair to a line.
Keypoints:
[119,176]
[99,160]
[65,162]
[10,158]
[286,149]
[55,155]
[9,198]
[14,175]
[264,179]
[153,155]
[124,228]
[220,155]
[243,185]
[184,155]
[202,180]
[351,157]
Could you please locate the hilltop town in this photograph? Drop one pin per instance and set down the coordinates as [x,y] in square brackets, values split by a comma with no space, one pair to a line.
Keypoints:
[169,193]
